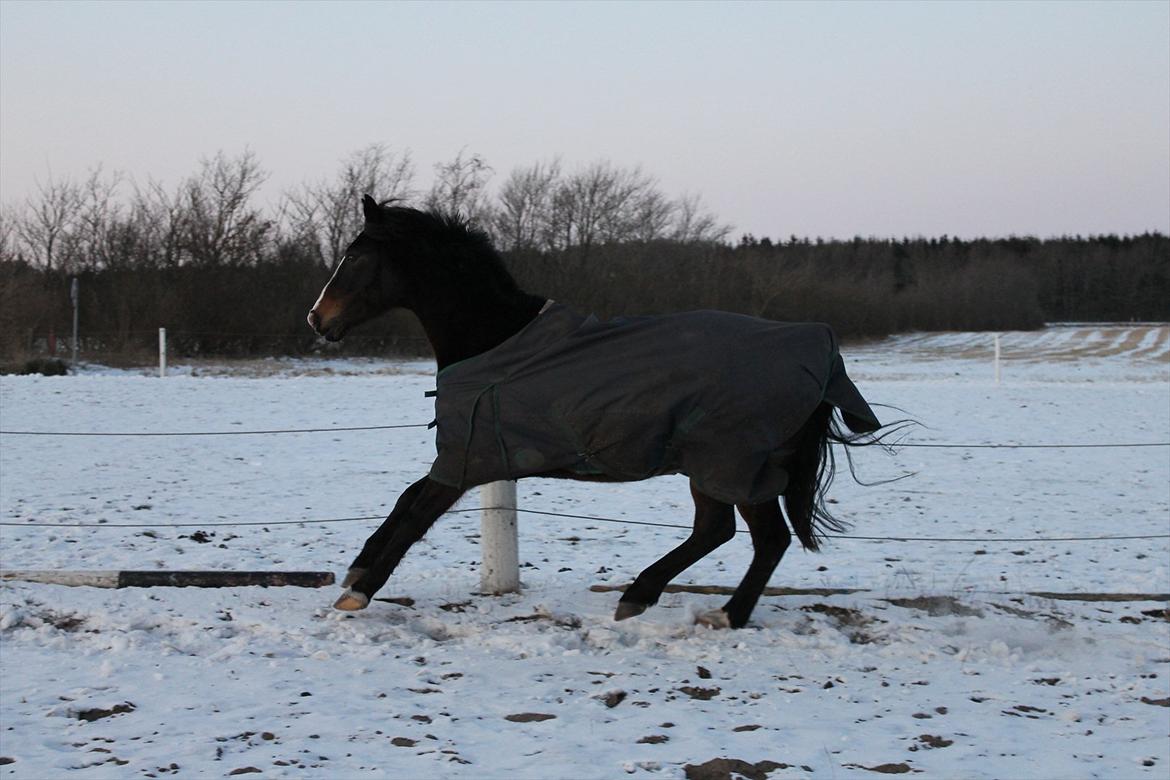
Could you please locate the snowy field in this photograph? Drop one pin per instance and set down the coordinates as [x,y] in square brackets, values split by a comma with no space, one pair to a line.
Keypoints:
[943,664]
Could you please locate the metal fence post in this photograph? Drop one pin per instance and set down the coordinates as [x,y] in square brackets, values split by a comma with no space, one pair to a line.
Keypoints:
[74,293]
[499,539]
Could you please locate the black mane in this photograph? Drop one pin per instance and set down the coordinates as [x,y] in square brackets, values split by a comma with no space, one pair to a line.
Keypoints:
[451,239]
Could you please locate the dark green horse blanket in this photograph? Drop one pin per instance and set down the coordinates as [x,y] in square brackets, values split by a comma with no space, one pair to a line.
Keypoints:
[712,395]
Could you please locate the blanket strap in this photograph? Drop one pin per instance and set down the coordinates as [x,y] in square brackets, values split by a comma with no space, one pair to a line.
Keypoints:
[431,394]
[495,391]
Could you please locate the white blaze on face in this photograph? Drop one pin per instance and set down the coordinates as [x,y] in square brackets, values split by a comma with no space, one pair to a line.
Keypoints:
[321,297]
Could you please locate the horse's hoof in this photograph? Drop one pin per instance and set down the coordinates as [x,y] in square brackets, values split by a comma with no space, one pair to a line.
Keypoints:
[352,576]
[713,618]
[352,601]
[629,609]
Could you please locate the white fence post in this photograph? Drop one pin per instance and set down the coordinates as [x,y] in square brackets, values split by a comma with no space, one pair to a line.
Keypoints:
[162,352]
[498,539]
[997,358]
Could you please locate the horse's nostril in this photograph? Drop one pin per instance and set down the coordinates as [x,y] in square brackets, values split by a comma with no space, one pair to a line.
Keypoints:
[314,320]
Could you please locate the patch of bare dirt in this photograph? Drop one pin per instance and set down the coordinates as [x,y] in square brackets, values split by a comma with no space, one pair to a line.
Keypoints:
[932,741]
[64,622]
[97,713]
[851,622]
[1025,711]
[561,621]
[937,606]
[885,769]
[1054,622]
[723,769]
[696,692]
[262,368]
[529,717]
[612,698]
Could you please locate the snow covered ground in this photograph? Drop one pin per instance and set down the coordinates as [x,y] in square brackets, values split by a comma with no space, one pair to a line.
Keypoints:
[943,665]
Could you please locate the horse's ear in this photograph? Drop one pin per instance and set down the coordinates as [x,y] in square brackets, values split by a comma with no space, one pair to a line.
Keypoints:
[371,209]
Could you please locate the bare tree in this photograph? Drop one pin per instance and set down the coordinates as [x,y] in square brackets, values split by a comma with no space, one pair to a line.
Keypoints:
[588,196]
[521,220]
[605,203]
[651,216]
[9,241]
[559,230]
[635,209]
[221,225]
[327,215]
[693,223]
[49,221]
[98,217]
[460,187]
[620,206]
[161,218]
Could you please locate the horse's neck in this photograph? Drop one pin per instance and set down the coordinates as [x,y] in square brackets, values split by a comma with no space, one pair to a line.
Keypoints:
[458,330]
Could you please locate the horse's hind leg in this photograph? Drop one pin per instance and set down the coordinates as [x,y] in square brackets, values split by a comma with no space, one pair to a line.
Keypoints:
[714,525]
[770,538]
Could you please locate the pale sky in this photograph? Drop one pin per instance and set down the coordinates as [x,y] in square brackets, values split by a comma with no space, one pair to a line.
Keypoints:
[886,119]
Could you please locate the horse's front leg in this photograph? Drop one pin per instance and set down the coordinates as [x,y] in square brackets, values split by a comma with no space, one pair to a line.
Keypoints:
[380,538]
[416,511]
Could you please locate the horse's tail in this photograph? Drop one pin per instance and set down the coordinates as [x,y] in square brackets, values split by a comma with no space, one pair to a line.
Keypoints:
[810,472]
[812,468]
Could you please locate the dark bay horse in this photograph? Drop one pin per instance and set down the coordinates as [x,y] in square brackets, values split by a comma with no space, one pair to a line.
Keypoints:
[514,400]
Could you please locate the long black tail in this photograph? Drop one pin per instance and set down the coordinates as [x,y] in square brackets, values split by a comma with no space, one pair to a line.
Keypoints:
[811,472]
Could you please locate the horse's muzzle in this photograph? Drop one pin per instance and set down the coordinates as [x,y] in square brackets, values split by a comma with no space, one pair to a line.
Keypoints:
[333,332]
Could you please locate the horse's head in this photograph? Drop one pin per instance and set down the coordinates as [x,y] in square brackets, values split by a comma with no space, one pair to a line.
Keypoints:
[438,266]
[367,282]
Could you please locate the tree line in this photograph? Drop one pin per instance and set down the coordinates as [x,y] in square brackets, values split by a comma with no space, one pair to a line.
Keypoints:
[226,276]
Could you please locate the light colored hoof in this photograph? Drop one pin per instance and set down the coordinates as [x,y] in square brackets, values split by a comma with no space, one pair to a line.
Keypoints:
[352,601]
[628,609]
[713,618]
[352,576]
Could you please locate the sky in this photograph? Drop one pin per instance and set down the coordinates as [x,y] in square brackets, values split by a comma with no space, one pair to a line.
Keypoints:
[814,119]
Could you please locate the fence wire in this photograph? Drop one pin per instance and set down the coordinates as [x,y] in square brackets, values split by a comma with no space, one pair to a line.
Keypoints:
[900,445]
[597,518]
[365,518]
[214,433]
